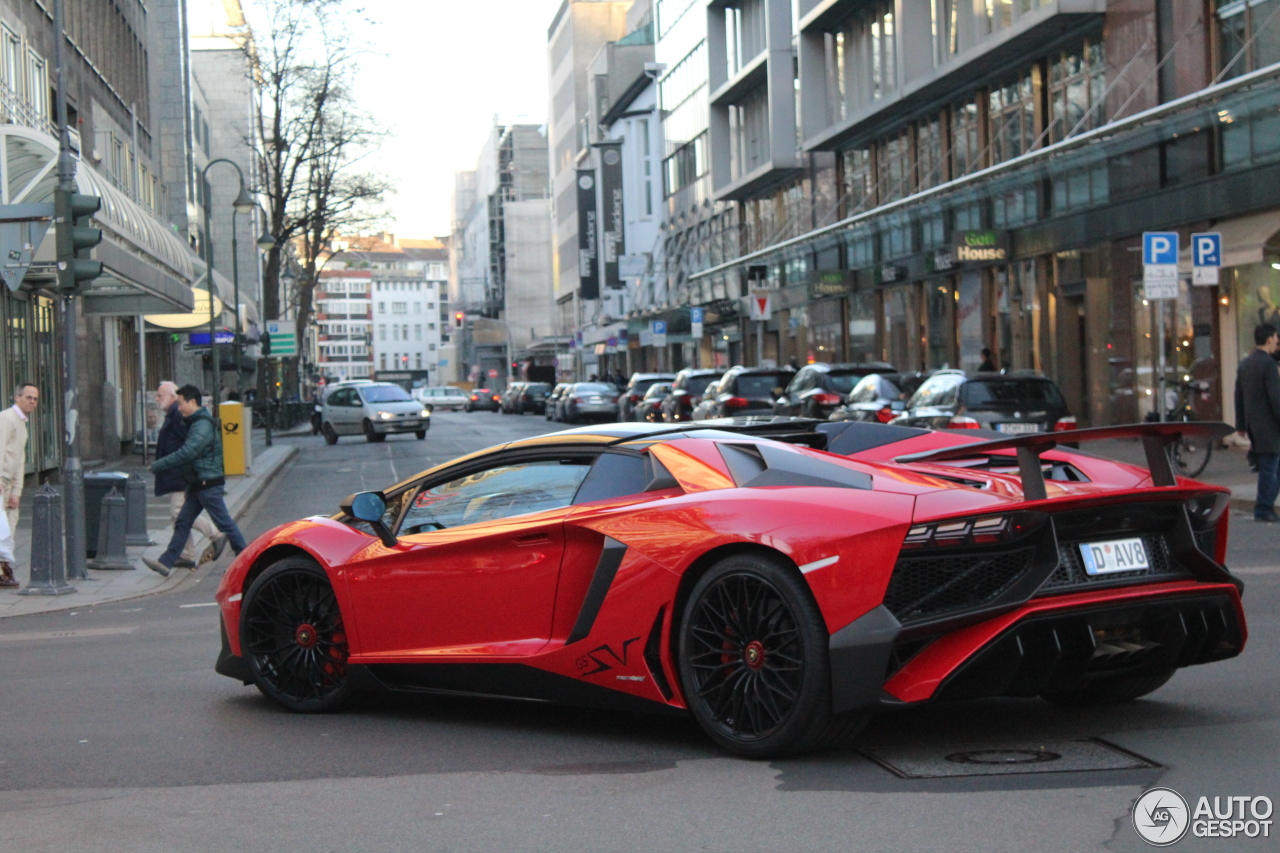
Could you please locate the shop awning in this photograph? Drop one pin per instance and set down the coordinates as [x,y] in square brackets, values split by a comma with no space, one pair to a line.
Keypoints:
[147,267]
[1244,240]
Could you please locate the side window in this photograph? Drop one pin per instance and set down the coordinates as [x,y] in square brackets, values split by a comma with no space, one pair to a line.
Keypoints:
[501,492]
[947,394]
[614,475]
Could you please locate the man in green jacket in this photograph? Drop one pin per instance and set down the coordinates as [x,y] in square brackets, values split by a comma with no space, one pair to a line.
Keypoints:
[200,461]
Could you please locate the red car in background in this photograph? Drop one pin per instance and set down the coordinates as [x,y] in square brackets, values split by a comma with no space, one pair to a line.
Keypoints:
[780,580]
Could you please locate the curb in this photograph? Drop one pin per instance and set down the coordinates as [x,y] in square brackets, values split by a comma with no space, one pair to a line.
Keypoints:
[256,485]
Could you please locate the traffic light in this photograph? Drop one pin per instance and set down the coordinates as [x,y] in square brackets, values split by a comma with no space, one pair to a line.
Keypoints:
[458,318]
[75,238]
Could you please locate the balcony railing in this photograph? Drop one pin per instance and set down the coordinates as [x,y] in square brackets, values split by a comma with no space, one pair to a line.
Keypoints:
[14,110]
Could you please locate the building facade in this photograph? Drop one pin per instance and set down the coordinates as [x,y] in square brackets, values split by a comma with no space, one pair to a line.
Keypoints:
[344,325]
[917,181]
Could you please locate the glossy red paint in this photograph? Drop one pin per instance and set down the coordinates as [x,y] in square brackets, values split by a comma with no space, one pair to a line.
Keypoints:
[923,674]
[513,590]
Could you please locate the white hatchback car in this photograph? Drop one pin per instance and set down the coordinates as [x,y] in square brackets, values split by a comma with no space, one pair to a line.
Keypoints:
[374,409]
[441,397]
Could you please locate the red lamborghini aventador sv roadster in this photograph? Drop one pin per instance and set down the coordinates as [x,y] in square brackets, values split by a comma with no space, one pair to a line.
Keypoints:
[778,579]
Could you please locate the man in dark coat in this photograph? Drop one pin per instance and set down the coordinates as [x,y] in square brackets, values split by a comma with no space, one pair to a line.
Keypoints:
[172,434]
[1258,415]
[200,462]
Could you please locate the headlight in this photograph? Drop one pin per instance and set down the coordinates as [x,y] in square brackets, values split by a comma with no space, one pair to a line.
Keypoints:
[425,413]
[386,416]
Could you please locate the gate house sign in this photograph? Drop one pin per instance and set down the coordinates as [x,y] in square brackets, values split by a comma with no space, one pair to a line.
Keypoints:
[984,247]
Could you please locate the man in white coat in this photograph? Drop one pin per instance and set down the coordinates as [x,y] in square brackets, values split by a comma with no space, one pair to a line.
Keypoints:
[13,465]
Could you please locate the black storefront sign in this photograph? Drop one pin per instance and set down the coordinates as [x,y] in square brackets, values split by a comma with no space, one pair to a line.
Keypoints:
[825,283]
[980,247]
[588,253]
[612,242]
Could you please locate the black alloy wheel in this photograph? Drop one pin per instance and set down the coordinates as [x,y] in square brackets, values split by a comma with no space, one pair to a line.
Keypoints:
[421,434]
[330,437]
[294,639]
[753,660]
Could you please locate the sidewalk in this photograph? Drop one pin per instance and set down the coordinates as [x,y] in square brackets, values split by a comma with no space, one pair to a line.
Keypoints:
[110,586]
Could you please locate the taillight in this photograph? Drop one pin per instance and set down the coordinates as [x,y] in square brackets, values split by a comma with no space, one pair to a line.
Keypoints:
[885,415]
[474,398]
[962,422]
[497,399]
[827,399]
[635,398]
[987,530]
[1069,422]
[735,403]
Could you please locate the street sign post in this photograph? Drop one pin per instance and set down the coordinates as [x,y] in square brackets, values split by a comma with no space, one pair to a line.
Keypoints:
[1160,282]
[1206,258]
[284,341]
[1160,265]
[695,323]
[658,331]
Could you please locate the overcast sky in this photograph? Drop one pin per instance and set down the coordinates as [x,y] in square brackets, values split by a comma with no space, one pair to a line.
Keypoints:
[437,73]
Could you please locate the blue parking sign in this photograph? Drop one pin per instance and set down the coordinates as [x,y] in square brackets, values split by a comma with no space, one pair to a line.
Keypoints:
[1206,249]
[1159,247]
[695,315]
[659,327]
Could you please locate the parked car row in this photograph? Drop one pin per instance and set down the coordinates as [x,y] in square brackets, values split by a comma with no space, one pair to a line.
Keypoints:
[521,397]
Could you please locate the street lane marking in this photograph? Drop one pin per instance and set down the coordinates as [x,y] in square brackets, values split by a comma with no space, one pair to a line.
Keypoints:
[201,604]
[819,564]
[70,633]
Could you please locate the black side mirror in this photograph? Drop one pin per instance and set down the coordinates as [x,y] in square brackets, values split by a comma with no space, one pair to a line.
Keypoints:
[369,507]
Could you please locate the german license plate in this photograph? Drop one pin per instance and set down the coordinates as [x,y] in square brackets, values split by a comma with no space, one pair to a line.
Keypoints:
[1118,555]
[1015,427]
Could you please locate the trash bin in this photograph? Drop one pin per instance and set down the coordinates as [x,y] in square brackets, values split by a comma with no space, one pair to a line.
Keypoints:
[98,485]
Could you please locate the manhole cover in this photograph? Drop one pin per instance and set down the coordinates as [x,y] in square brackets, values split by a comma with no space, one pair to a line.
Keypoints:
[997,759]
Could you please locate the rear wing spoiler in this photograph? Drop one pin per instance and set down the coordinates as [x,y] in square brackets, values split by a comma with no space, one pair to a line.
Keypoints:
[1156,437]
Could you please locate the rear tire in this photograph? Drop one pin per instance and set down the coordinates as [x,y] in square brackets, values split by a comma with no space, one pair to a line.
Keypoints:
[1110,691]
[754,662]
[421,434]
[330,437]
[293,638]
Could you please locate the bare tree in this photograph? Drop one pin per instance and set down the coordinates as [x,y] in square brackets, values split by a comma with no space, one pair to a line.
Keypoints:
[313,136]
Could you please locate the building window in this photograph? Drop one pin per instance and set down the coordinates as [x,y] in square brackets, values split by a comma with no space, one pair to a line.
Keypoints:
[405,333]
[966,139]
[382,307]
[417,333]
[417,360]
[882,44]
[646,167]
[382,361]
[894,167]
[749,133]
[399,307]
[417,307]
[1238,23]
[1077,83]
[431,327]
[382,333]
[1012,112]
[859,181]
[431,347]
[37,85]
[930,153]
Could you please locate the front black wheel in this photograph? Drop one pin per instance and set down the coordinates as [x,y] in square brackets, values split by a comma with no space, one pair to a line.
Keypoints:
[753,660]
[421,434]
[293,637]
[371,435]
[330,437]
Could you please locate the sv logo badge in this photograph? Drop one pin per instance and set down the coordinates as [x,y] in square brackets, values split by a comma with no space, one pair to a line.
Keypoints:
[600,657]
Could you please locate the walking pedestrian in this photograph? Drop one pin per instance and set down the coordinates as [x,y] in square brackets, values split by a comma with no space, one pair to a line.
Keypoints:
[13,468]
[200,461]
[1258,415]
[173,432]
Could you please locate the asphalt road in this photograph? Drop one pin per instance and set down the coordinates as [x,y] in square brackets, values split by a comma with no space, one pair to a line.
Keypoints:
[116,735]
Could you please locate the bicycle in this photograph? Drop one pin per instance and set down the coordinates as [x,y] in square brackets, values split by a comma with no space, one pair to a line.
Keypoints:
[1190,456]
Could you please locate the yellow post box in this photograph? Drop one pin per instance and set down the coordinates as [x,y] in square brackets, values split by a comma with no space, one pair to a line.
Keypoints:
[233,439]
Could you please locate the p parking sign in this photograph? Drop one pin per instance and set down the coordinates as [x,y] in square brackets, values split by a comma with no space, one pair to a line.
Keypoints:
[1160,264]
[1206,258]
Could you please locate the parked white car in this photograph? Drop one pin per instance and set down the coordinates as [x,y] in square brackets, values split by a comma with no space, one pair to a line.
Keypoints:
[441,397]
[374,409]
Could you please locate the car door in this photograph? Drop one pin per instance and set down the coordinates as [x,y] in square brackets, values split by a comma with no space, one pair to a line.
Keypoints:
[340,410]
[475,569]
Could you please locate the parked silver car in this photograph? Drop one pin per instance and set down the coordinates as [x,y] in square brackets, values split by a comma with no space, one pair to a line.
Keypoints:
[598,400]
[374,409]
[442,397]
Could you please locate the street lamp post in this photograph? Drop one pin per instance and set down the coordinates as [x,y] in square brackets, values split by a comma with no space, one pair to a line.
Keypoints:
[243,204]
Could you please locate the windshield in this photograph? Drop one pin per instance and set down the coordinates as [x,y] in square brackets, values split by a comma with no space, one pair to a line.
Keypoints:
[759,385]
[385,394]
[843,381]
[1012,392]
[537,388]
[696,385]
